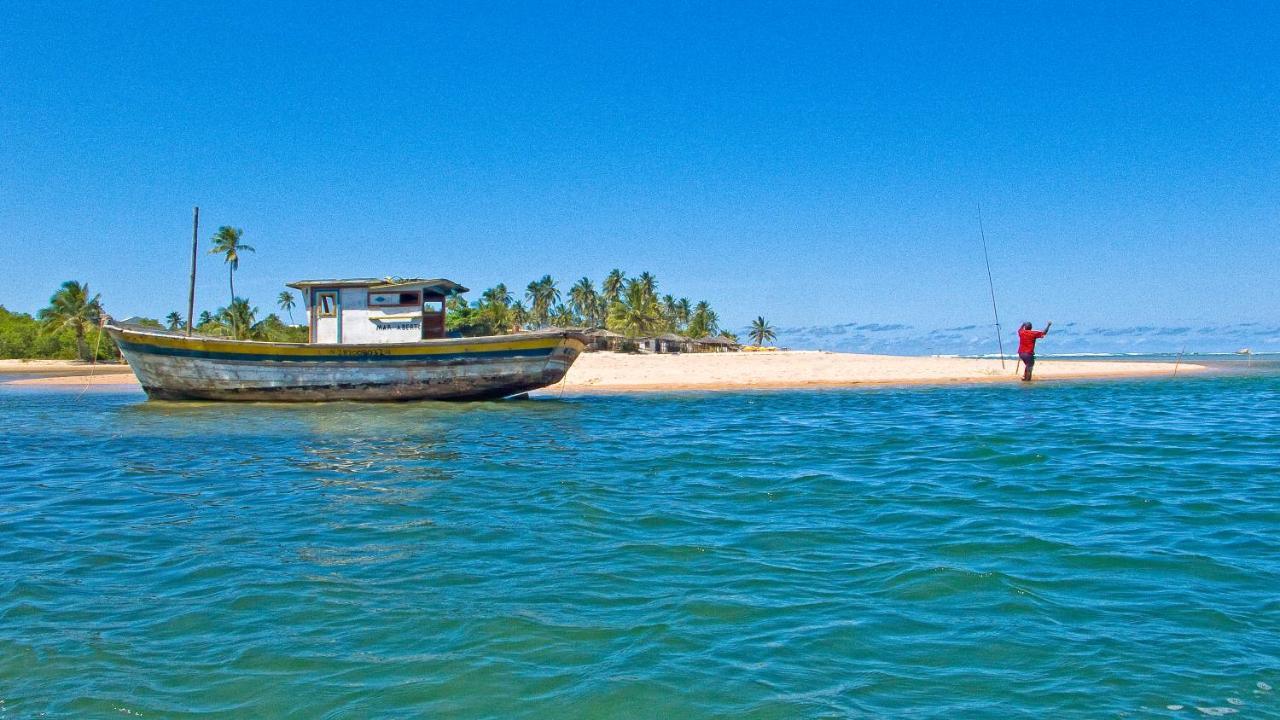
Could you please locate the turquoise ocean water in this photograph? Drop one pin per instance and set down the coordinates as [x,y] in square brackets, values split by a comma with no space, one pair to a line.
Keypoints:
[1097,550]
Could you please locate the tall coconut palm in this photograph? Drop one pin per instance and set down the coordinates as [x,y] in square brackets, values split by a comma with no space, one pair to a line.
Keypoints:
[226,242]
[583,300]
[648,282]
[704,321]
[670,312]
[563,316]
[611,288]
[286,303]
[496,295]
[72,308]
[636,313]
[761,332]
[684,311]
[542,295]
[174,320]
[499,317]
[519,314]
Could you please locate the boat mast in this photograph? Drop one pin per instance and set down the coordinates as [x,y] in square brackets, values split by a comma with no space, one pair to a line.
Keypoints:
[195,239]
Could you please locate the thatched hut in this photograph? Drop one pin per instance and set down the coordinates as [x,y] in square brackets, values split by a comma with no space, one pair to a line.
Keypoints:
[715,343]
[602,339]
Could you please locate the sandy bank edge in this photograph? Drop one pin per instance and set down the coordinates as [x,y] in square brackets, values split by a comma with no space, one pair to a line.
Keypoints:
[1098,370]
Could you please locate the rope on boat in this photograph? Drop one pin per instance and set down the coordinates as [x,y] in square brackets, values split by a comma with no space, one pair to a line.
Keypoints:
[93,361]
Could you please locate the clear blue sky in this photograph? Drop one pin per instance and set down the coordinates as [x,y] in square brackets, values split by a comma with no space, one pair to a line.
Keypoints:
[814,163]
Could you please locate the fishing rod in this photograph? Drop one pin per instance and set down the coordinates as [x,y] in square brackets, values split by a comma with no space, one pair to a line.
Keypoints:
[992,285]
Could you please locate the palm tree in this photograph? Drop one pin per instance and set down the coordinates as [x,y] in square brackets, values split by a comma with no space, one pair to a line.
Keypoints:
[704,321]
[499,317]
[519,314]
[286,303]
[226,242]
[636,313]
[563,316]
[611,288]
[72,308]
[174,319]
[670,312]
[239,318]
[496,295]
[683,311]
[542,295]
[583,299]
[761,332]
[206,318]
[648,282]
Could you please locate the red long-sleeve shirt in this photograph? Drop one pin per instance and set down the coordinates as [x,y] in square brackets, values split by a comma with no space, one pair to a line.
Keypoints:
[1027,340]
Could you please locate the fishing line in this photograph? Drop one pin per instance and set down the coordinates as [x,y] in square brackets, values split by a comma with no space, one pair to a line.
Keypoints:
[992,285]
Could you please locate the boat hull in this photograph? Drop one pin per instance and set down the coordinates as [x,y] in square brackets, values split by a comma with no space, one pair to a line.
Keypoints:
[175,367]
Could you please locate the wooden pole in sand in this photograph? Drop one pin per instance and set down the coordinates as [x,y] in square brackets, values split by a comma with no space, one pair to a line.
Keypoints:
[195,240]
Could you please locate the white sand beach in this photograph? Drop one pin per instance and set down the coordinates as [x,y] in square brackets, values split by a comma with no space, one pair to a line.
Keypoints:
[614,372]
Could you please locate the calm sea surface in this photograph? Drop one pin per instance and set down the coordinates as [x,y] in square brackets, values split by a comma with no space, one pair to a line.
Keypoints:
[1072,550]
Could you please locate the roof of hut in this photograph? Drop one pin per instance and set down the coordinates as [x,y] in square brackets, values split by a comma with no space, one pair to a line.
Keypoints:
[716,340]
[440,285]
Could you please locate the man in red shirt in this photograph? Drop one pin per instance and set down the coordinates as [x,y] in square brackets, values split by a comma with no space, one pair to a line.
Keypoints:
[1027,347]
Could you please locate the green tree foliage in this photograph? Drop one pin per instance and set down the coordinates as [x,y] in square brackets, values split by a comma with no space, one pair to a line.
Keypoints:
[238,318]
[630,307]
[611,288]
[563,316]
[543,296]
[226,242]
[72,308]
[173,321]
[21,338]
[703,321]
[584,301]
[286,302]
[54,333]
[636,313]
[761,332]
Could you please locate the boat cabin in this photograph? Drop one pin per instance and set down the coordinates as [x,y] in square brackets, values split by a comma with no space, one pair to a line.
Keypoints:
[376,310]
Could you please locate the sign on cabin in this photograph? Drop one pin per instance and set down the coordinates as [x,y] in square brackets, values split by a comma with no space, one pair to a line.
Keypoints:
[376,310]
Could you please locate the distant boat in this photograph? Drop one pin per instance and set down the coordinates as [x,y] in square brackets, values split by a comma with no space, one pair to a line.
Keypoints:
[379,339]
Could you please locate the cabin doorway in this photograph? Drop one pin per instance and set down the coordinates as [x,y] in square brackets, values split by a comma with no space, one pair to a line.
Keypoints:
[326,317]
[432,316]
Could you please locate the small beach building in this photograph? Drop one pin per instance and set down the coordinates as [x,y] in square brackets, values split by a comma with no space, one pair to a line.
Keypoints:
[668,343]
[375,310]
[715,343]
[602,339]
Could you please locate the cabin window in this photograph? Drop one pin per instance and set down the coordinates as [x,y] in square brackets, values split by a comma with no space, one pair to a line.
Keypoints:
[394,299]
[326,304]
[433,307]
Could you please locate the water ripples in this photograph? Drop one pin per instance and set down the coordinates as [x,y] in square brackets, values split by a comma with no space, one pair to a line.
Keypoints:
[1104,549]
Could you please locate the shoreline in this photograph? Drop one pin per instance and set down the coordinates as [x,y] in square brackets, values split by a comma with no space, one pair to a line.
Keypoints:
[610,373]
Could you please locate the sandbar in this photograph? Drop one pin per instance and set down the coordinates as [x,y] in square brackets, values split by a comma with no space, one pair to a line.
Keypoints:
[616,372]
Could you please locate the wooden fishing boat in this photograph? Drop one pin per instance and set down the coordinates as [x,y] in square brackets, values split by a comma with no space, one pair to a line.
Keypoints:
[172,366]
[369,339]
